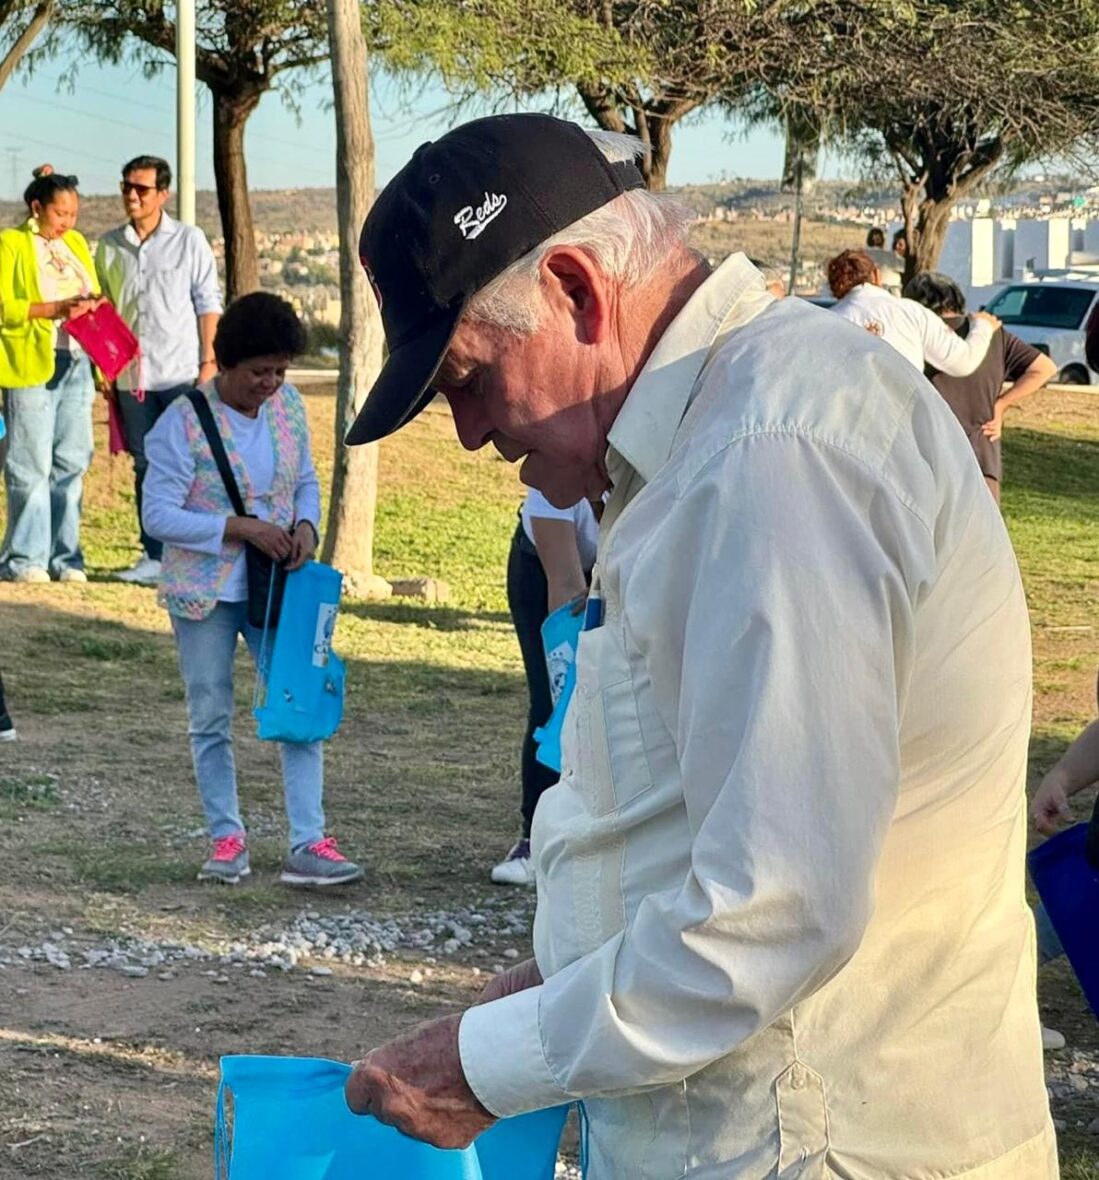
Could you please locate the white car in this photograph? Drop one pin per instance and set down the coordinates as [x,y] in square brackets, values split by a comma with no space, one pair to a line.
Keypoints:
[1051,315]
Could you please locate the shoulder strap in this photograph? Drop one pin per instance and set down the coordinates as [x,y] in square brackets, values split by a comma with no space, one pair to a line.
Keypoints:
[217,448]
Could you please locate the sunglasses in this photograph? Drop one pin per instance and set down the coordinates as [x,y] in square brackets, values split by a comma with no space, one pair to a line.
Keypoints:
[143,190]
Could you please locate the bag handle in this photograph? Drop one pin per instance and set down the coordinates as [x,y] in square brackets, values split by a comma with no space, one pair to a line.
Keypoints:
[217,448]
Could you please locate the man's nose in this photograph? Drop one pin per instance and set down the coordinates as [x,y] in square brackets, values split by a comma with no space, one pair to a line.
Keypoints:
[470,420]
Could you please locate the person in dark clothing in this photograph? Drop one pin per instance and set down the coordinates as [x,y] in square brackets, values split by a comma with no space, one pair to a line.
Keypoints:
[550,563]
[7,726]
[979,401]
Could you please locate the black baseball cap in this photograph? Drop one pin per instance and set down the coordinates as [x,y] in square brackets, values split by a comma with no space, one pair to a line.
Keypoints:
[461,211]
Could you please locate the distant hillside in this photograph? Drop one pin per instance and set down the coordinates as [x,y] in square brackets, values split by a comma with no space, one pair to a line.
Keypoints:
[308,210]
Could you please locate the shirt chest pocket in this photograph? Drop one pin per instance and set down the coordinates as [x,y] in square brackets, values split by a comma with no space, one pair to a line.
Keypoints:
[612,768]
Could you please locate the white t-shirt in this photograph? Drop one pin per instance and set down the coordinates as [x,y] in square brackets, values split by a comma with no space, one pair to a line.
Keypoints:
[61,275]
[581,515]
[919,335]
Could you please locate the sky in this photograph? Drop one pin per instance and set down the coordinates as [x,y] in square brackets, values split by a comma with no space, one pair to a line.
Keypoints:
[114,113]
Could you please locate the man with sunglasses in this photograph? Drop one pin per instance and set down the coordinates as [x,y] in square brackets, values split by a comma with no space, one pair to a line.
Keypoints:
[162,278]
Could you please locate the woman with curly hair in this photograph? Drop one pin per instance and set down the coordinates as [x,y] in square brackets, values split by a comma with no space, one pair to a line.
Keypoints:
[204,584]
[917,334]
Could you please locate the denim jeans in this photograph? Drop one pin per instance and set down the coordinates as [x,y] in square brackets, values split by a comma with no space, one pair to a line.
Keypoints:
[206,649]
[1049,945]
[49,449]
[138,418]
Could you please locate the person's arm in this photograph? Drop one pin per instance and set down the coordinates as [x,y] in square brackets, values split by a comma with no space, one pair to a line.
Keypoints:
[1028,370]
[1076,769]
[945,350]
[555,541]
[168,481]
[207,328]
[206,299]
[755,623]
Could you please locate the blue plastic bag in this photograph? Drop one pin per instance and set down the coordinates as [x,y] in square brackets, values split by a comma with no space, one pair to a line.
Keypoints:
[290,1122]
[560,639]
[300,681]
[1069,889]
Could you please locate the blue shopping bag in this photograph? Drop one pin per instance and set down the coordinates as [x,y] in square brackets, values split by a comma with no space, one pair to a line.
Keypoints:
[290,1122]
[560,639]
[1069,889]
[300,679]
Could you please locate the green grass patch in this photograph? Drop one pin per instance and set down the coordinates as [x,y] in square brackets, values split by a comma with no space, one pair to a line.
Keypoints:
[109,642]
[142,1163]
[27,792]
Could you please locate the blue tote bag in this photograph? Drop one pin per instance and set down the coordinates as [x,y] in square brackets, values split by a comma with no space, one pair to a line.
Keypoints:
[290,1122]
[1069,888]
[300,680]
[560,639]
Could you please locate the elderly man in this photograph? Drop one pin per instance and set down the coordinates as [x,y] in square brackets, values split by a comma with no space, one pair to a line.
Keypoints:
[781,927]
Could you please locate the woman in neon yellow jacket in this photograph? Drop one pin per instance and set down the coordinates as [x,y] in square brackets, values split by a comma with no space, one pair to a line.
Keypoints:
[46,278]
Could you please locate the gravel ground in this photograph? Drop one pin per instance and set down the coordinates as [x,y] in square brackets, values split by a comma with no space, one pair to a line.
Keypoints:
[311,941]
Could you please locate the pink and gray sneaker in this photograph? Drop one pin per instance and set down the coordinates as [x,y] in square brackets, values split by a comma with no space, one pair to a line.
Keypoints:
[319,864]
[228,862]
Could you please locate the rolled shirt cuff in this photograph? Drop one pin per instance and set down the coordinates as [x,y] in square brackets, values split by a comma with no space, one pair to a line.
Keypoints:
[500,1045]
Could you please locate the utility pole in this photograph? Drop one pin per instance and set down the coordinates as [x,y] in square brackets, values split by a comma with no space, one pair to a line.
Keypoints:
[16,155]
[185,110]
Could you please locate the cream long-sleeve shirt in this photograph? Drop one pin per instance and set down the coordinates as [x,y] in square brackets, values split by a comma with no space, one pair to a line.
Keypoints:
[919,335]
[780,884]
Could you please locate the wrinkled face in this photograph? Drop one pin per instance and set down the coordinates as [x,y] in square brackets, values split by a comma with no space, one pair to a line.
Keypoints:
[59,216]
[535,399]
[140,196]
[245,387]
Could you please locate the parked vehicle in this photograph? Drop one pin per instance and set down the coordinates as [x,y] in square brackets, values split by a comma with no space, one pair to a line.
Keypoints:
[1050,313]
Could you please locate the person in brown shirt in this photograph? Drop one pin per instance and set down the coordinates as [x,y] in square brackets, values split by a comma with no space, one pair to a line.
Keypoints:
[979,400]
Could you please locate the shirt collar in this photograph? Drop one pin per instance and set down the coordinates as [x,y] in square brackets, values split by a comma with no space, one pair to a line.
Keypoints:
[645,429]
[165,228]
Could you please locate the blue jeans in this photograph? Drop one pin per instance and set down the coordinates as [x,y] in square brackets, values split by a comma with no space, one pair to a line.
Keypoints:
[206,649]
[138,418]
[49,449]
[1049,945]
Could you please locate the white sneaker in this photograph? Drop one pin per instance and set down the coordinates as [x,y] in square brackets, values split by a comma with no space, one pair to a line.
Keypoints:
[145,572]
[72,575]
[517,868]
[1052,1039]
[34,575]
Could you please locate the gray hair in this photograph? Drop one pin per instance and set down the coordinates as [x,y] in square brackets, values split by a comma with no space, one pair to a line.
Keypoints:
[629,238]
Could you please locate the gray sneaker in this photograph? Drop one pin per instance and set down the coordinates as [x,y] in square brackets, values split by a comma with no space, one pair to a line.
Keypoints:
[228,862]
[319,864]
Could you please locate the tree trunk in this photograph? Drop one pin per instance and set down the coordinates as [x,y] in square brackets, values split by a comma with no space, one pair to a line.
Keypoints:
[349,537]
[41,15]
[231,111]
[660,142]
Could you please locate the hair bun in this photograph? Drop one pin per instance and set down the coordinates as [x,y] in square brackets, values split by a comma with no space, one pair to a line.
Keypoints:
[43,170]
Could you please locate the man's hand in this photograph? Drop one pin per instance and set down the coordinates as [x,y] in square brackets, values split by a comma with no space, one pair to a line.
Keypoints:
[303,544]
[515,979]
[1049,807]
[416,1084]
[989,318]
[994,427]
[207,371]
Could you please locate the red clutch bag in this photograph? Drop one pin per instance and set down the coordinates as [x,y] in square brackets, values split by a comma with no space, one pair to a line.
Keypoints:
[105,337]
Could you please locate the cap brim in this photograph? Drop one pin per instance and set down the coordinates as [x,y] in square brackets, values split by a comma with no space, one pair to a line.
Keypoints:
[403,387]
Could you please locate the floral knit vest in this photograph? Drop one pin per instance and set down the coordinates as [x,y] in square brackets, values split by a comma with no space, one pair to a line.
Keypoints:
[191,582]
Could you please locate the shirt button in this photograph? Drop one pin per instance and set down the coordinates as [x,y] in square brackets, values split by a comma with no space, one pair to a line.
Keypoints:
[797,1080]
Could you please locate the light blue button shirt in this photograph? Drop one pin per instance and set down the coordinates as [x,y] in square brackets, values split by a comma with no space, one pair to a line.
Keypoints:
[160,286]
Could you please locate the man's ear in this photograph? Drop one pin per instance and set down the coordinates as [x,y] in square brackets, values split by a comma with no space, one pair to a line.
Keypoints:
[572,283]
